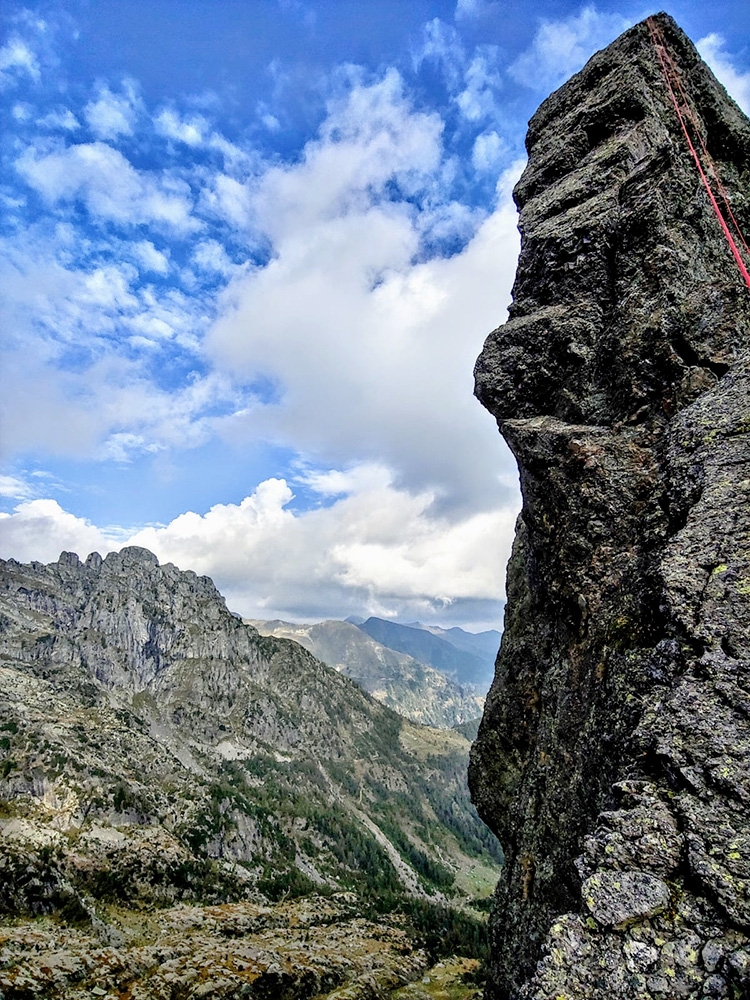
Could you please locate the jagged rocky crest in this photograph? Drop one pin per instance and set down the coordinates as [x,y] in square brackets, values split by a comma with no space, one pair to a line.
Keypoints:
[613,759]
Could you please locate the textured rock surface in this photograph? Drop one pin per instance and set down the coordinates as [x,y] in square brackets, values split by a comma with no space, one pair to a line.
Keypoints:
[614,752]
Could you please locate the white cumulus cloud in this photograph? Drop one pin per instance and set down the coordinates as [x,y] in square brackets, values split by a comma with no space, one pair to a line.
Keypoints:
[63,119]
[373,348]
[190,131]
[17,58]
[472,8]
[562,47]
[109,185]
[366,316]
[112,115]
[229,199]
[41,530]
[376,549]
[210,255]
[150,258]
[712,49]
[482,80]
[489,151]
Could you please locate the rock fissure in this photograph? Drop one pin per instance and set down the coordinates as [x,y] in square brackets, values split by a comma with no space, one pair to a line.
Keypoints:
[613,759]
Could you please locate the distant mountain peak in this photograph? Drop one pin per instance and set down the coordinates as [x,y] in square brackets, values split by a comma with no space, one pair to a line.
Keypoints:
[464,657]
[410,686]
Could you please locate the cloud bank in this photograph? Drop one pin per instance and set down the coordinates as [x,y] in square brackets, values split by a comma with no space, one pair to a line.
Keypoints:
[367,548]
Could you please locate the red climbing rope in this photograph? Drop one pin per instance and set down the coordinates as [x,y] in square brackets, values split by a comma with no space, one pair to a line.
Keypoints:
[706,155]
[674,83]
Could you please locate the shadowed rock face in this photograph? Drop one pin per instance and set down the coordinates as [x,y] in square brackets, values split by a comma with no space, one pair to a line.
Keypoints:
[613,759]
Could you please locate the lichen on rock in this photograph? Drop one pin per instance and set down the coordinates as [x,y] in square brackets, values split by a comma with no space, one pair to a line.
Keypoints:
[613,759]
[617,899]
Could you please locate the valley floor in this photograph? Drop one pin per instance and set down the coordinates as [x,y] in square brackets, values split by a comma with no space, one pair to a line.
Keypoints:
[297,950]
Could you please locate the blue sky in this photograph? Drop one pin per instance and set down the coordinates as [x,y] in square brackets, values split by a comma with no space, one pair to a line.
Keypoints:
[249,252]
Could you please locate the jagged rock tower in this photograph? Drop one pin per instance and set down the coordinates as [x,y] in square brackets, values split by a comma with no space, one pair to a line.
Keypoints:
[613,759]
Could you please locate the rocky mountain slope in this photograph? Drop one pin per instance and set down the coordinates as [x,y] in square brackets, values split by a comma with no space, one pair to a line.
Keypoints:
[613,757]
[413,689]
[448,654]
[156,754]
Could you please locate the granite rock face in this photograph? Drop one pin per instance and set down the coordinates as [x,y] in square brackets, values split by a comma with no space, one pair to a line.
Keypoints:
[613,759]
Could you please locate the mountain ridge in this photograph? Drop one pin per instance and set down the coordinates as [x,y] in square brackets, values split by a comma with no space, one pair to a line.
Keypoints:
[414,689]
[157,752]
[460,664]
[486,642]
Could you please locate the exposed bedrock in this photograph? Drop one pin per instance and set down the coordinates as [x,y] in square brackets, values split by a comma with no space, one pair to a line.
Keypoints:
[613,759]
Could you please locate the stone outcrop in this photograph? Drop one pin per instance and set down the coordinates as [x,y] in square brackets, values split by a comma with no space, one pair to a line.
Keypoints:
[613,759]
